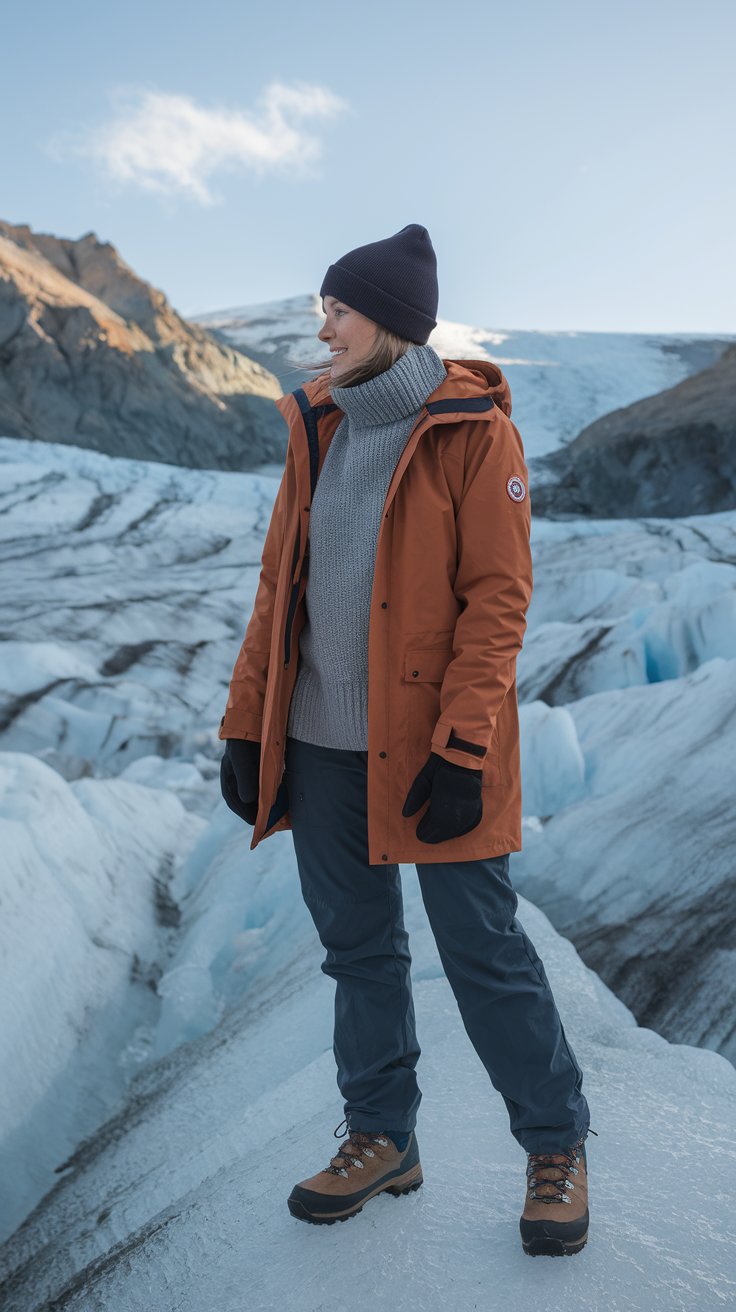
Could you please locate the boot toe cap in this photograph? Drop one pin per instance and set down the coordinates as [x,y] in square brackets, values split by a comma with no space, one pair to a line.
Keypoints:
[554,1238]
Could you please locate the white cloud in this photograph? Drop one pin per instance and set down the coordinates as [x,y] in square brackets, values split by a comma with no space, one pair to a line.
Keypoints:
[168,143]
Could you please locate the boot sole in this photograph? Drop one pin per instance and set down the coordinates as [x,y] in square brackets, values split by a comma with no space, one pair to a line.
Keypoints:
[546,1246]
[403,1184]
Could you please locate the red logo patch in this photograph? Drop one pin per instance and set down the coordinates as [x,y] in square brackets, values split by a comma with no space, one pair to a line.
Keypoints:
[515,488]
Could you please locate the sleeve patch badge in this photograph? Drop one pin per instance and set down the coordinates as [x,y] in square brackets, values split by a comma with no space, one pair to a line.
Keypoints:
[516,488]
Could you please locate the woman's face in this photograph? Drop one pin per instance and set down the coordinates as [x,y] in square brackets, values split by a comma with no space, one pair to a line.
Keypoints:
[348,333]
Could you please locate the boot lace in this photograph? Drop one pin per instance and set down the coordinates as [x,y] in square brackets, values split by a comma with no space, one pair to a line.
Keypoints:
[564,1163]
[358,1140]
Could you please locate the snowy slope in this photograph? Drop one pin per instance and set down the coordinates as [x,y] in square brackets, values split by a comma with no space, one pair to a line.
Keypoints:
[180,1201]
[87,917]
[560,381]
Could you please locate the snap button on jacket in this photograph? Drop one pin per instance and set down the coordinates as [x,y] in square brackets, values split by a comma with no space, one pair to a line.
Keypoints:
[452,583]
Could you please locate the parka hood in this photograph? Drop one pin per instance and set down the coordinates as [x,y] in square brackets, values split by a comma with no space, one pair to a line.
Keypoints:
[476,378]
[465,378]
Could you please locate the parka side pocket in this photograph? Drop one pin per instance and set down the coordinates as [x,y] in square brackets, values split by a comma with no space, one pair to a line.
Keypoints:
[425,668]
[492,763]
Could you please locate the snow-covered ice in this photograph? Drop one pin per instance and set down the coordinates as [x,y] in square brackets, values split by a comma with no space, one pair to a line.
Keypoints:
[86,872]
[180,1200]
[627,681]
[161,993]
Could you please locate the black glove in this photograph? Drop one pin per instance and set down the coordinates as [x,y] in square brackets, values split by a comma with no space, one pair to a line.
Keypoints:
[239,777]
[456,804]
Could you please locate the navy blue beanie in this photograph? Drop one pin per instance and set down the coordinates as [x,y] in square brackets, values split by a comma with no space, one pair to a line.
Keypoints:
[393,282]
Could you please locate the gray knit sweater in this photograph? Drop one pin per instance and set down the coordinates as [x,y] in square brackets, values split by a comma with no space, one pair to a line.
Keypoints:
[329,704]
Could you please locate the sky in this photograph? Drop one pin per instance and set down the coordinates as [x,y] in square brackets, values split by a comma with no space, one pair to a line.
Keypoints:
[573,162]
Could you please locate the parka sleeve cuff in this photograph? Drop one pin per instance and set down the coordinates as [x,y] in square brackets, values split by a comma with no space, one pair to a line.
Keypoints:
[240,724]
[446,742]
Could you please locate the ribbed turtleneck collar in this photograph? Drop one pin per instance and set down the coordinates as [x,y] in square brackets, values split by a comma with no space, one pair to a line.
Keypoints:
[397,392]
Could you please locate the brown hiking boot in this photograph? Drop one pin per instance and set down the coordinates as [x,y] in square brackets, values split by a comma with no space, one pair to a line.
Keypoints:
[366,1164]
[555,1217]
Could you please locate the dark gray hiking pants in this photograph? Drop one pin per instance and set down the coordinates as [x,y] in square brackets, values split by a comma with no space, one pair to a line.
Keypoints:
[493,969]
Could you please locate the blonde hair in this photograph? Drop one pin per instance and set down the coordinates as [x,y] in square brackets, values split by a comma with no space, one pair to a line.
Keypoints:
[388,347]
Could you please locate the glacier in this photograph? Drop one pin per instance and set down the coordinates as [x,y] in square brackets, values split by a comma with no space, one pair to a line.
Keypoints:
[165,1030]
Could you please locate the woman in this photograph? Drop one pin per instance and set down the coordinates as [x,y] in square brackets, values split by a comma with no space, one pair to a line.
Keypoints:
[377,674]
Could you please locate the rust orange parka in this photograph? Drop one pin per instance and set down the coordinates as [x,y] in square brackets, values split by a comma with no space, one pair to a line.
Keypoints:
[452,583]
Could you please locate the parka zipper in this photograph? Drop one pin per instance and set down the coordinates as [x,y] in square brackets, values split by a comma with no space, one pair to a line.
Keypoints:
[310,415]
[292,599]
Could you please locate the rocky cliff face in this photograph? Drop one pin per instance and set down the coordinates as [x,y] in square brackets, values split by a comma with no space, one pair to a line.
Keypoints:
[92,355]
[669,454]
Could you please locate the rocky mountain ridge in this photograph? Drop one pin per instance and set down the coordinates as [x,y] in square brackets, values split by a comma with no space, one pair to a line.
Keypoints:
[670,454]
[93,356]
